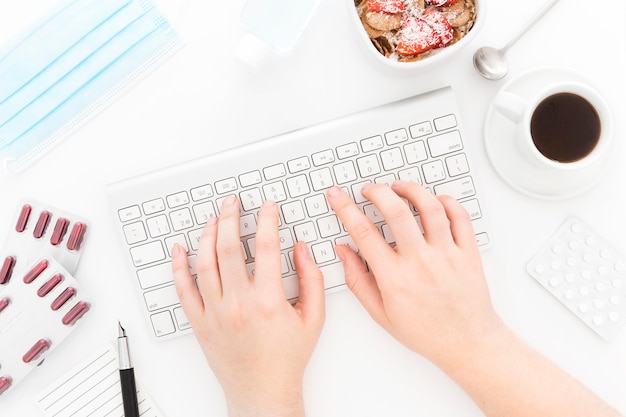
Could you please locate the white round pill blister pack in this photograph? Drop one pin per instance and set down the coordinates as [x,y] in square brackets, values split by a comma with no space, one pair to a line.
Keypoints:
[586,274]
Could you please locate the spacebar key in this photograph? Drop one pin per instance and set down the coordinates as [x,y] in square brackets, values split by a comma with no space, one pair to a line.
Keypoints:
[461,188]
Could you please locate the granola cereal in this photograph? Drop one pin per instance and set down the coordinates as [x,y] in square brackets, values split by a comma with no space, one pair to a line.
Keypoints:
[411,30]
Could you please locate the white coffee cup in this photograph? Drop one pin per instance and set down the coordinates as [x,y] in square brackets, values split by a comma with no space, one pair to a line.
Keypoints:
[559,102]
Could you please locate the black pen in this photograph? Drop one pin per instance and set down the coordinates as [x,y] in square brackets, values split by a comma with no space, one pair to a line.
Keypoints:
[127,376]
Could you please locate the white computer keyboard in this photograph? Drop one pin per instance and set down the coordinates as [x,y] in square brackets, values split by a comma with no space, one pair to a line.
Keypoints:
[417,139]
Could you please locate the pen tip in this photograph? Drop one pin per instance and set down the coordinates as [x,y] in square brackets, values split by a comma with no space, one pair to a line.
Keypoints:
[122,331]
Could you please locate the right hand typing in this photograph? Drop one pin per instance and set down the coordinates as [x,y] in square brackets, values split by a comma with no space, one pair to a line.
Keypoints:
[429,292]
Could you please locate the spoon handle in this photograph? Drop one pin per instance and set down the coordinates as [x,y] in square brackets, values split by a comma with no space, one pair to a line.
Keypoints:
[542,11]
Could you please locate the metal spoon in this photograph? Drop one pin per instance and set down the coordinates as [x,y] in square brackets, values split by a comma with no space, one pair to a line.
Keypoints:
[491,62]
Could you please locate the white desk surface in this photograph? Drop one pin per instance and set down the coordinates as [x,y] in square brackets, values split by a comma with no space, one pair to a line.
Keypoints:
[203,100]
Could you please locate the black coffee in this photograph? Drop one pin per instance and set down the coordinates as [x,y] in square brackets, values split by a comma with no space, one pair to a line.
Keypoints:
[565,127]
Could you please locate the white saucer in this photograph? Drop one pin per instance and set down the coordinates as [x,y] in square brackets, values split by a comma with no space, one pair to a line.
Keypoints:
[528,178]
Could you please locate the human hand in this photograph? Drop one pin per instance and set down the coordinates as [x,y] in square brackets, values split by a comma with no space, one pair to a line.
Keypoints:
[255,341]
[429,292]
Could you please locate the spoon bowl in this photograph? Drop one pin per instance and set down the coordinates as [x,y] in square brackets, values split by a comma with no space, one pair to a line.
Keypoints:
[491,62]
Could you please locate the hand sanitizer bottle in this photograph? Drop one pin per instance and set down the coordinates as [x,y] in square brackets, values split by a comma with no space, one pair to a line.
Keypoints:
[272,26]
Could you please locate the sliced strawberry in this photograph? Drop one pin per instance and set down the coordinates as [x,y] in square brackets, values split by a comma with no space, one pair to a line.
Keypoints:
[385,6]
[421,33]
[415,36]
[440,25]
[443,3]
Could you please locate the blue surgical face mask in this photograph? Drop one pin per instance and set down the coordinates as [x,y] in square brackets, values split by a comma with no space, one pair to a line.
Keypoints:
[76,61]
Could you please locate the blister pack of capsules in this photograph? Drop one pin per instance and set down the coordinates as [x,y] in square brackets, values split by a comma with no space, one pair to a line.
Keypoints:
[40,300]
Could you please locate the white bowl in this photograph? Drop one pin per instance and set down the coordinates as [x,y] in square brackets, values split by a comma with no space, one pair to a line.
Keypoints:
[435,56]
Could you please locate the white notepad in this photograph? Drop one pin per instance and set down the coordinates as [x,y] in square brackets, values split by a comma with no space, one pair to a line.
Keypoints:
[92,388]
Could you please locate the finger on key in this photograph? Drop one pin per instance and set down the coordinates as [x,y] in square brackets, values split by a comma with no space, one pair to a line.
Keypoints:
[397,215]
[267,277]
[190,299]
[367,238]
[209,281]
[460,223]
[233,272]
[432,213]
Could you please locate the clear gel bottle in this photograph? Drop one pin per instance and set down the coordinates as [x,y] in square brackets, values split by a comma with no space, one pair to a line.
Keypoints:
[272,26]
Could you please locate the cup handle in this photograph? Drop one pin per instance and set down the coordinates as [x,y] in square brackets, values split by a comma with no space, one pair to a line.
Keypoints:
[510,106]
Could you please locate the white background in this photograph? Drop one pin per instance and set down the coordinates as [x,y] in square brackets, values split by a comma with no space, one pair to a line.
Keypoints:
[203,100]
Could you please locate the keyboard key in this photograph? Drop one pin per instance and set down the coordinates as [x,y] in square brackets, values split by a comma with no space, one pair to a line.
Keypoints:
[372,144]
[396,136]
[368,165]
[323,252]
[247,225]
[415,152]
[323,157]
[345,172]
[250,178]
[446,143]
[461,188]
[385,179]
[298,186]
[181,219]
[356,191]
[158,226]
[177,200]
[153,206]
[162,323]
[129,213]
[299,164]
[135,233]
[445,122]
[161,298]
[373,214]
[293,212]
[226,186]
[251,199]
[328,226]
[275,192]
[473,208]
[305,232]
[457,165]
[203,211]
[274,171]
[433,171]
[410,175]
[202,192]
[348,150]
[181,319]
[420,129]
[321,179]
[147,254]
[161,274]
[316,205]
[391,159]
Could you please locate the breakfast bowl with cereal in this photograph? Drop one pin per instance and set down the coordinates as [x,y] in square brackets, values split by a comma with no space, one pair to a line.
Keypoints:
[412,33]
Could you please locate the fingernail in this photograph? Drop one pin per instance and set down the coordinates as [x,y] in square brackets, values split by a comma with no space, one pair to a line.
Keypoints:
[176,250]
[269,203]
[397,183]
[228,201]
[334,191]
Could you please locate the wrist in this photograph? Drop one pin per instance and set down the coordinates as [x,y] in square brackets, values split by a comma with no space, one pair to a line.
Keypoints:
[288,403]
